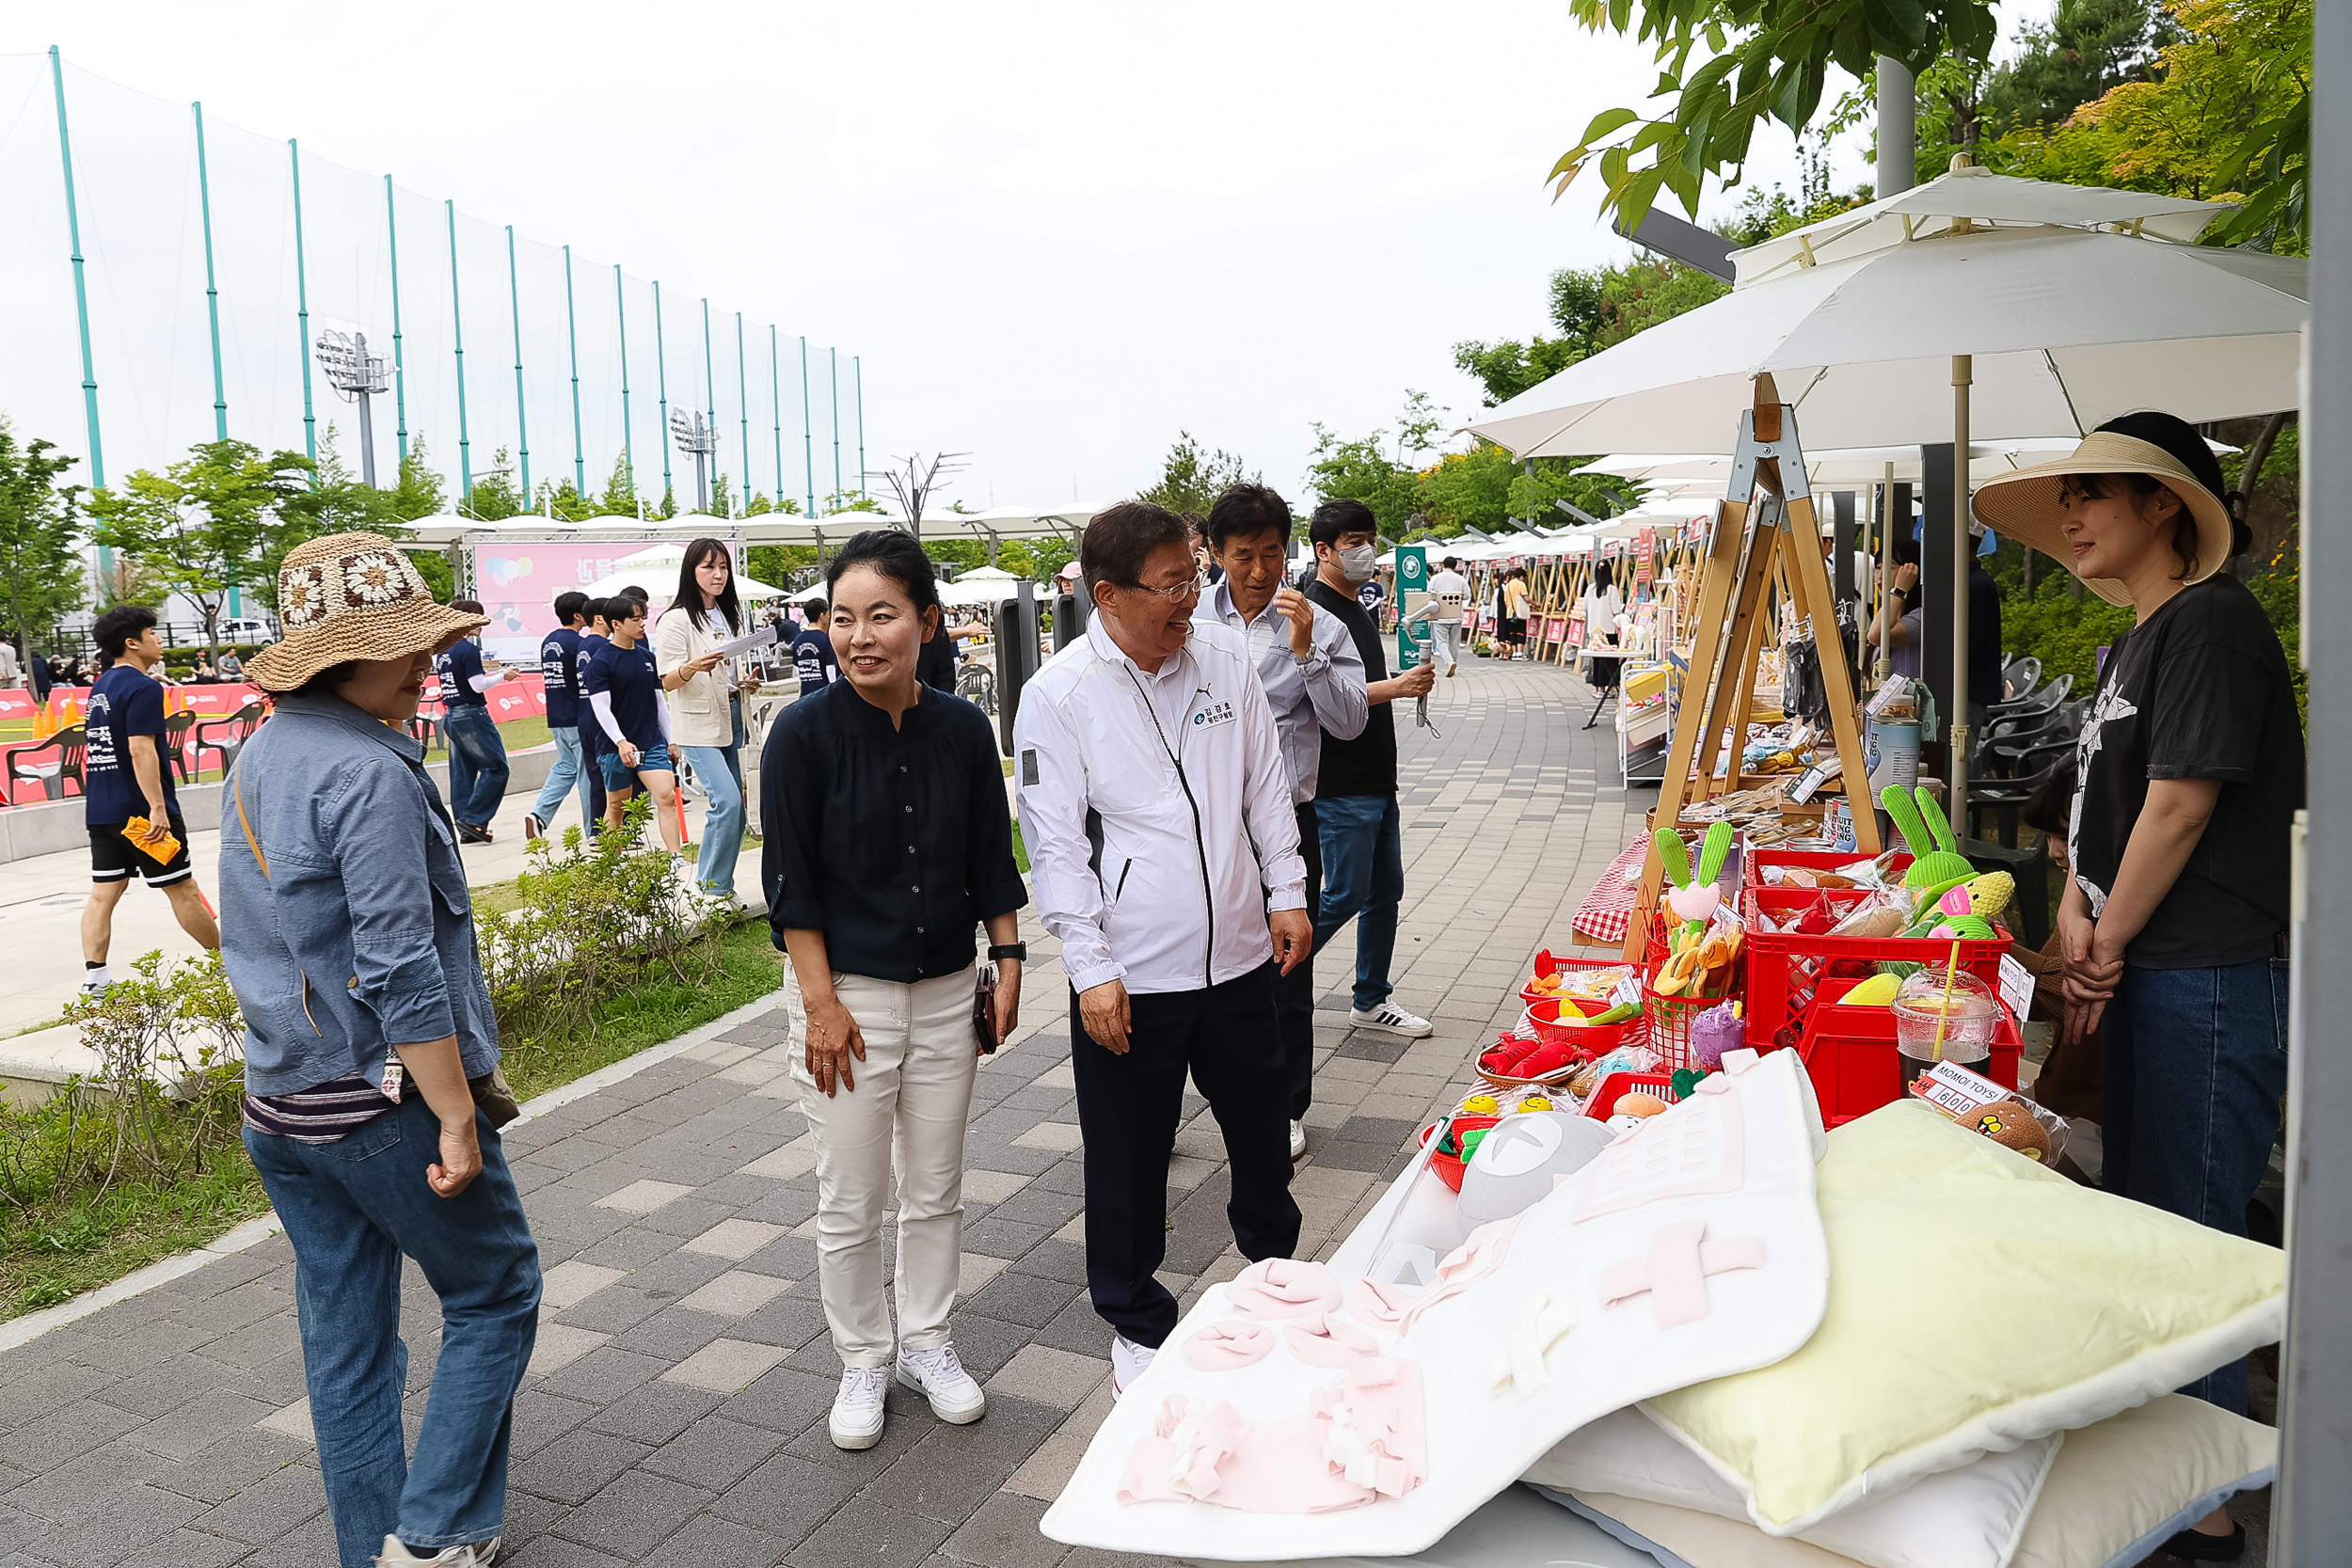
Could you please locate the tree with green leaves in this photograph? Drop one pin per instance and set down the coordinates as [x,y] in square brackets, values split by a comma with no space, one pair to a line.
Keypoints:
[1592,309]
[41,574]
[620,490]
[216,519]
[1729,66]
[494,494]
[1367,470]
[1194,476]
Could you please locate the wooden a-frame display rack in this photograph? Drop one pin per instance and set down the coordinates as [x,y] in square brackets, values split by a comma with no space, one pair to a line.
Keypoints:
[1731,624]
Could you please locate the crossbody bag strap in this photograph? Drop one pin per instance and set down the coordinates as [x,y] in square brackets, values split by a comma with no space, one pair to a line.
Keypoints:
[236,792]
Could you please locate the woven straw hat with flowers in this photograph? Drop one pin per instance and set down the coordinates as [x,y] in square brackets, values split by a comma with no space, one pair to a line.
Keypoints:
[352,596]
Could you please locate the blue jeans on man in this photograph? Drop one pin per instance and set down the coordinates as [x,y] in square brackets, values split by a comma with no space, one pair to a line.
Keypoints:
[1363,879]
[719,772]
[567,771]
[352,1209]
[477,764]
[2194,1067]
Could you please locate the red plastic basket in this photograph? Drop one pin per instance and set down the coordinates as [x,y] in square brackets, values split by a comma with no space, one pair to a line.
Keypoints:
[1775,986]
[1658,1083]
[1450,1166]
[1752,869]
[1542,1019]
[1668,1023]
[1849,1054]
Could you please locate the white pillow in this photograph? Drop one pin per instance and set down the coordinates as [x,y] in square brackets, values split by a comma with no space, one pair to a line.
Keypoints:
[1970,1517]
[1977,1301]
[2116,1491]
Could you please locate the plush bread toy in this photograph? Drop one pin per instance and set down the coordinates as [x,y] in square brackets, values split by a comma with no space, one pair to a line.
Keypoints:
[2008,1123]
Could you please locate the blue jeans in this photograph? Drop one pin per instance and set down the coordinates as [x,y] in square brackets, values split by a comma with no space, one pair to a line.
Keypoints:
[1363,873]
[569,770]
[719,769]
[352,1209]
[477,764]
[2195,1066]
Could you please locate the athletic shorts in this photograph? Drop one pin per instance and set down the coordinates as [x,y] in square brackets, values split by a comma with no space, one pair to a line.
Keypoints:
[619,775]
[113,857]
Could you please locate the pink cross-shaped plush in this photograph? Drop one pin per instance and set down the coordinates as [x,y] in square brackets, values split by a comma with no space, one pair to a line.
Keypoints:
[1674,1273]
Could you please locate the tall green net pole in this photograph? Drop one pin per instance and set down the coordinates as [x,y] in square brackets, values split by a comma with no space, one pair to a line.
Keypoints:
[809,433]
[661,381]
[211,285]
[620,300]
[710,395]
[775,402]
[302,310]
[833,358]
[400,387]
[743,405]
[81,311]
[857,380]
[522,423]
[571,328]
[457,336]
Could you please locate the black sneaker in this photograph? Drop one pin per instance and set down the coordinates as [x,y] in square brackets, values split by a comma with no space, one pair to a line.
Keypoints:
[468,833]
[532,826]
[2195,1546]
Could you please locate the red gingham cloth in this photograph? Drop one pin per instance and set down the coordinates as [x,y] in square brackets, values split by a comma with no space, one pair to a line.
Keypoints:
[1608,909]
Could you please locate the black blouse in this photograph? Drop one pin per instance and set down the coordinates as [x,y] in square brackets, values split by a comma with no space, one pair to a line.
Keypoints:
[896,842]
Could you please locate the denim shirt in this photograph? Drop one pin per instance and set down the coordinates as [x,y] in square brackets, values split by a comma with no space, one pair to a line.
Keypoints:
[359,935]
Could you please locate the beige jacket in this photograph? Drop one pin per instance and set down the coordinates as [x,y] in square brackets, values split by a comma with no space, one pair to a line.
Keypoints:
[699,714]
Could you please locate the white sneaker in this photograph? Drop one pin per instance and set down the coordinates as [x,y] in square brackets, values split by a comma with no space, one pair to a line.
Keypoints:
[857,1410]
[1298,1140]
[478,1554]
[1390,1019]
[939,1377]
[532,826]
[1129,1361]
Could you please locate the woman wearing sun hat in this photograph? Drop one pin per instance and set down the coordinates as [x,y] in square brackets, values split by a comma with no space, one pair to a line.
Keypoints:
[2189,774]
[370,1043]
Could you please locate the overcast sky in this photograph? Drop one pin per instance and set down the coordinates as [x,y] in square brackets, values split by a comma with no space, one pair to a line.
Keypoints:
[1056,233]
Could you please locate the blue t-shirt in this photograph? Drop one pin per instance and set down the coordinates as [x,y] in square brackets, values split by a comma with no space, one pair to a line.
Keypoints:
[124,703]
[559,672]
[813,661]
[635,686]
[454,667]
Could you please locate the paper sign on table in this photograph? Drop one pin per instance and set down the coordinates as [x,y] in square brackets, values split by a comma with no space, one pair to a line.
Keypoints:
[2016,986]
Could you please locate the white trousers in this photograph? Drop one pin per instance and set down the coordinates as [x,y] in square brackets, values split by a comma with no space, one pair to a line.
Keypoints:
[914,1091]
[1445,642]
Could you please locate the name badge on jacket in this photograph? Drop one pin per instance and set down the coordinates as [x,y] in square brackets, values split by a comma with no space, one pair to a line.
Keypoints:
[1212,715]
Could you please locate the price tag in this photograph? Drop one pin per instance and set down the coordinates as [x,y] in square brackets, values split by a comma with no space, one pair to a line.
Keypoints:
[2016,986]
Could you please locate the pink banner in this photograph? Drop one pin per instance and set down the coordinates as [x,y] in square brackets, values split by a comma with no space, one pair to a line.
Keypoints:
[517,584]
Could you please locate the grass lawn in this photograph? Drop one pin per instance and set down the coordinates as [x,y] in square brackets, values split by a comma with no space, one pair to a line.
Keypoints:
[51,1253]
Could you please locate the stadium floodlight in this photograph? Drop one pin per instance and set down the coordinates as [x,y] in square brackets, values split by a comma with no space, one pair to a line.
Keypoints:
[699,438]
[359,376]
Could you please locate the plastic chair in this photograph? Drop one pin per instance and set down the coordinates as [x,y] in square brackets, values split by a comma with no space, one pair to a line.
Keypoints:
[2018,679]
[71,744]
[228,735]
[2044,701]
[176,730]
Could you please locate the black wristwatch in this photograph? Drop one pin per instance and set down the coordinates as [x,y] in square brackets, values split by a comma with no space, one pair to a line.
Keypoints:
[1018,950]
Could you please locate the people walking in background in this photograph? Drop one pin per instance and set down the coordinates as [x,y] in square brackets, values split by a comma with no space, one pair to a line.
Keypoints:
[706,704]
[559,674]
[1363,846]
[812,659]
[887,840]
[1514,616]
[1156,807]
[11,673]
[360,1106]
[1449,592]
[126,772]
[477,754]
[1314,680]
[624,693]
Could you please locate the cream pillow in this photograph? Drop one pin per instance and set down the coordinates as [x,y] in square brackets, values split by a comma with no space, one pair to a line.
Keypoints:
[1977,1301]
[2115,1493]
[1970,1517]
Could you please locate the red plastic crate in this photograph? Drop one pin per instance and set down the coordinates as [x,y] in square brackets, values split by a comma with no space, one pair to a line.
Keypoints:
[1752,869]
[1849,1054]
[1605,1094]
[1771,954]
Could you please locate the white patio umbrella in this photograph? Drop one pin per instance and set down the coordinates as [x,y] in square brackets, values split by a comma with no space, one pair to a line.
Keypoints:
[2065,305]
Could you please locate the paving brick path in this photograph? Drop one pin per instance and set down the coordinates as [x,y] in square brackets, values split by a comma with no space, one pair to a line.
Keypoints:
[675,1411]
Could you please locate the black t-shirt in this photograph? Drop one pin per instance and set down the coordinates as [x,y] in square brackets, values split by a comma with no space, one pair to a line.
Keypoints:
[1984,637]
[1366,764]
[2199,690]
[463,660]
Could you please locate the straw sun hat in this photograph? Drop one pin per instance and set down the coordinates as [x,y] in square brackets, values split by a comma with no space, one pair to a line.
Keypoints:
[2030,505]
[351,596]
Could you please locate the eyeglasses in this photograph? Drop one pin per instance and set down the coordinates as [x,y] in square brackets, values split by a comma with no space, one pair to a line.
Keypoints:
[1192,588]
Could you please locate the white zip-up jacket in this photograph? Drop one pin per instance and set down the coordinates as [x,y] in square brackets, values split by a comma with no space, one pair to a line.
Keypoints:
[1156,810]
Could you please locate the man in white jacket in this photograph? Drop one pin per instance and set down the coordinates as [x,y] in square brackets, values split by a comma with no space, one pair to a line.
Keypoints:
[1164,852]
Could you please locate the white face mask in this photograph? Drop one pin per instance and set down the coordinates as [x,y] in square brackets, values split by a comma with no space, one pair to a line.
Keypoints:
[1359,563]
